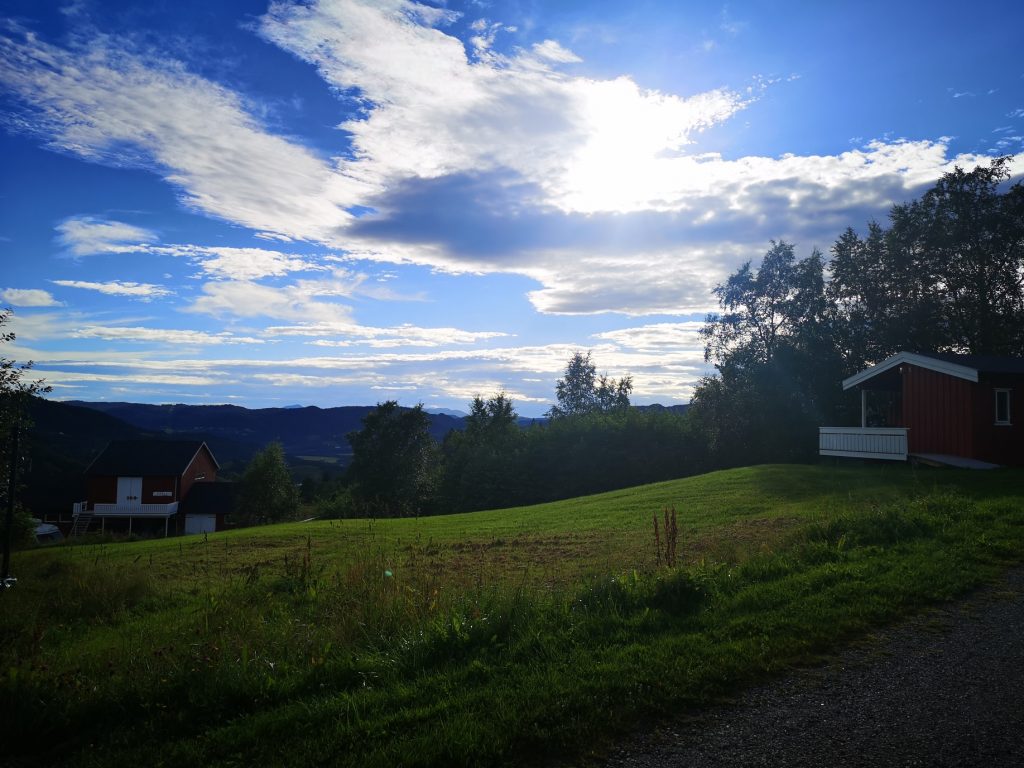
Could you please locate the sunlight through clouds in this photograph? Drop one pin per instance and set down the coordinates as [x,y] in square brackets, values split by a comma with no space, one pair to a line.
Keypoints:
[532,182]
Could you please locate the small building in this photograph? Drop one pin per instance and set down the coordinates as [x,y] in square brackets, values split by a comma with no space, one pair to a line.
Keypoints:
[146,485]
[952,409]
[207,505]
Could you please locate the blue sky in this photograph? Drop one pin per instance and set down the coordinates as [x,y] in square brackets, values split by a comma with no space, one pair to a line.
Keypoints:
[342,202]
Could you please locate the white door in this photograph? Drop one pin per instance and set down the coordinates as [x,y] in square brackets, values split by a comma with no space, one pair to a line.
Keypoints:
[129,491]
[200,523]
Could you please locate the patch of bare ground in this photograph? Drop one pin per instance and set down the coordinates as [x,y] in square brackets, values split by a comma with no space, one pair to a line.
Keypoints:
[738,540]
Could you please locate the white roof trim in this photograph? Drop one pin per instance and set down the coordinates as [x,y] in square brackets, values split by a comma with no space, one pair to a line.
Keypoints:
[931,363]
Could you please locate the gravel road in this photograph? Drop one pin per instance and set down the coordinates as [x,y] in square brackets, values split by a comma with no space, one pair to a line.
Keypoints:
[944,689]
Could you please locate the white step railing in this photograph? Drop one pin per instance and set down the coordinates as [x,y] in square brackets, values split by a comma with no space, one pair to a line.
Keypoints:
[864,442]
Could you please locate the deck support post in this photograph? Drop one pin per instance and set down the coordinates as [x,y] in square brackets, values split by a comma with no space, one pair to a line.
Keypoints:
[167,521]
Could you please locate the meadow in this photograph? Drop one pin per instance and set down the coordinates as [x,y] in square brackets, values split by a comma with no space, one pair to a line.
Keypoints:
[518,636]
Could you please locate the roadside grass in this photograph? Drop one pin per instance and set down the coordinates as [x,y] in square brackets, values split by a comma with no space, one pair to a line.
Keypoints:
[511,636]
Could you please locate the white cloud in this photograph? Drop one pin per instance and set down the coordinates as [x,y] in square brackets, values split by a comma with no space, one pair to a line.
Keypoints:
[558,167]
[142,291]
[471,160]
[28,297]
[62,378]
[240,298]
[161,335]
[400,336]
[238,263]
[88,235]
[432,111]
[657,337]
[103,101]
[552,50]
[660,371]
[306,380]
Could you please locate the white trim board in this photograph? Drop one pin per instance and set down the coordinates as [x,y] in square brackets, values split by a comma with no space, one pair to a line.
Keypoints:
[910,358]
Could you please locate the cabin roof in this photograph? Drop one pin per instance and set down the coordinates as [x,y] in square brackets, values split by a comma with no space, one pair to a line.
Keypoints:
[140,458]
[982,363]
[961,366]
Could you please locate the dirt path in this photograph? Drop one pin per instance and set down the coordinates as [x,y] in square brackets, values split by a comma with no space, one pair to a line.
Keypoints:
[946,689]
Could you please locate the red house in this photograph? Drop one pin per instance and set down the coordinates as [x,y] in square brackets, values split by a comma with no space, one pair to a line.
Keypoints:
[955,409]
[146,484]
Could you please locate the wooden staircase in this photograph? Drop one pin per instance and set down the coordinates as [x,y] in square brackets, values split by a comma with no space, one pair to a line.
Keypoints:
[81,525]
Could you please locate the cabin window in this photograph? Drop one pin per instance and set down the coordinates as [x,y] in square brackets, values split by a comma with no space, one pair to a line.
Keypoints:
[1002,406]
[200,476]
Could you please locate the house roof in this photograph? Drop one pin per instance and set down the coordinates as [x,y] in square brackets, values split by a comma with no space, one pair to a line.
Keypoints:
[982,363]
[961,366]
[139,458]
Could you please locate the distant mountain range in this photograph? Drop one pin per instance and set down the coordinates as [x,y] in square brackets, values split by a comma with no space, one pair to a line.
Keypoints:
[303,432]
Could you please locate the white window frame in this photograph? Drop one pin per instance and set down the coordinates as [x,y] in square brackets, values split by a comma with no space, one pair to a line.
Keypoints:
[1008,421]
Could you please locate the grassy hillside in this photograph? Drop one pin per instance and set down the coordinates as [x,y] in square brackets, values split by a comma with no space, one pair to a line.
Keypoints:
[481,638]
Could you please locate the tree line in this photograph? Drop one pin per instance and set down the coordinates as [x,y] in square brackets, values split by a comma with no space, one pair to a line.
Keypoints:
[592,441]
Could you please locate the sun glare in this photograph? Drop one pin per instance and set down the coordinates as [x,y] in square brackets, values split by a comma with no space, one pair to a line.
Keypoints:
[631,158]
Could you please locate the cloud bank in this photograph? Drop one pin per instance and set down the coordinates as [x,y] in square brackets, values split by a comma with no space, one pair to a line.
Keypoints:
[461,158]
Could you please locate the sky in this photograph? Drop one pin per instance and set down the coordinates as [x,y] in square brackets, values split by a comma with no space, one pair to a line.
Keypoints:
[339,202]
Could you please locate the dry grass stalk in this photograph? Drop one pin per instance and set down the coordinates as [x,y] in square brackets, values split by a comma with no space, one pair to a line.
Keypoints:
[671,529]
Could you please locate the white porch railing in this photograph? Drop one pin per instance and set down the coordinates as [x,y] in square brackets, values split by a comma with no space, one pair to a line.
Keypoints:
[79,507]
[864,442]
[136,510]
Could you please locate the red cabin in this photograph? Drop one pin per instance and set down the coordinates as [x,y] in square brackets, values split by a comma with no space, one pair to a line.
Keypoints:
[145,485]
[955,409]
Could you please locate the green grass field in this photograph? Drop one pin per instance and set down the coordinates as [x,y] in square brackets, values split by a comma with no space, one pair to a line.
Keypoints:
[477,639]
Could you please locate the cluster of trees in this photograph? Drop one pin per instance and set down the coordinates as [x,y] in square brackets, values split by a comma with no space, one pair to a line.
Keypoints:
[945,275]
[593,441]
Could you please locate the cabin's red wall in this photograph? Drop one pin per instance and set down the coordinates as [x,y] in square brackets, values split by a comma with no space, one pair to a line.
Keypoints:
[202,469]
[939,411]
[1000,444]
[154,483]
[101,490]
